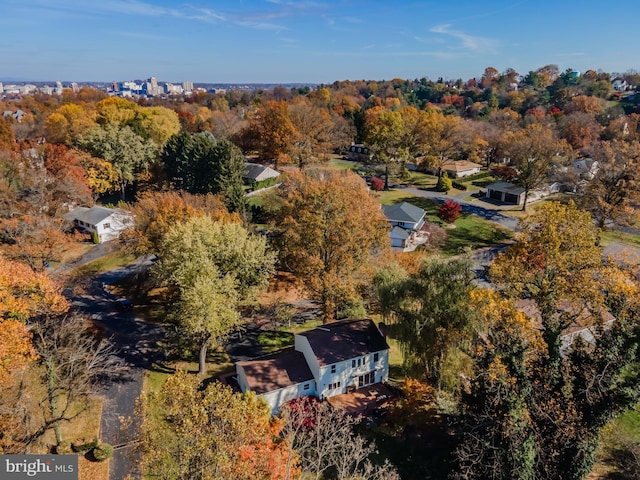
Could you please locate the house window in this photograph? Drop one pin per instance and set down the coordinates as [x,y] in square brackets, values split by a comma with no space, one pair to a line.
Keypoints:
[306,386]
[333,369]
[366,379]
[353,364]
[376,356]
[107,226]
[359,362]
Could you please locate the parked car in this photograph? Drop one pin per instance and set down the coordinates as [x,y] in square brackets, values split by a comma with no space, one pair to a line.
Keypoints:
[124,304]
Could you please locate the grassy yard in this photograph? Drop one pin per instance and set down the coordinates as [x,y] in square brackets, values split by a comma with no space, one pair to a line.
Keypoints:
[609,236]
[469,231]
[283,337]
[341,164]
[619,448]
[108,262]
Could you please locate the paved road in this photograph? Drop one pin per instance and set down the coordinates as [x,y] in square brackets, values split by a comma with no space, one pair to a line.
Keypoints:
[136,341]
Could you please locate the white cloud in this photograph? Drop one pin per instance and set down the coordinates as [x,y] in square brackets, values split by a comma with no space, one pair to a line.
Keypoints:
[468,42]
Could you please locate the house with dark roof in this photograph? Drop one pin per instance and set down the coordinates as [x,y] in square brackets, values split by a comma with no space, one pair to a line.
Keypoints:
[330,360]
[103,223]
[254,173]
[406,220]
[506,192]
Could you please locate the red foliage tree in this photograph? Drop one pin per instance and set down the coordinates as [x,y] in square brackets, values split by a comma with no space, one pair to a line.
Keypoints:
[449,211]
[377,184]
[505,173]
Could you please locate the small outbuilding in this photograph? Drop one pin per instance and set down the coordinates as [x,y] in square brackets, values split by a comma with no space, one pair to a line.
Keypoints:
[256,173]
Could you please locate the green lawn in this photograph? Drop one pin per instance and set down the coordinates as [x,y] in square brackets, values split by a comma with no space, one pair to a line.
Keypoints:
[609,236]
[340,164]
[619,446]
[469,231]
[108,262]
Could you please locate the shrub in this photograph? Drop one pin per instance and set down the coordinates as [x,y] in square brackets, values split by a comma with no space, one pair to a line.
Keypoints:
[377,184]
[102,452]
[449,211]
[458,185]
[267,182]
[94,238]
[84,447]
[444,183]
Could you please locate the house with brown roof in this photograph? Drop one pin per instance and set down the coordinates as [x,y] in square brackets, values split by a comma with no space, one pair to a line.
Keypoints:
[457,168]
[329,360]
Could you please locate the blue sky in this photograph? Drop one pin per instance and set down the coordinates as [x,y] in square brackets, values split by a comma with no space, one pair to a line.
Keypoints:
[313,41]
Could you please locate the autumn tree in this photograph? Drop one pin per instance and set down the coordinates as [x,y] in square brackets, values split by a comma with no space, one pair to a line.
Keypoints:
[429,315]
[611,194]
[384,134]
[328,228]
[25,296]
[271,132]
[156,212]
[36,240]
[449,211]
[542,396]
[533,150]
[128,153]
[313,131]
[440,141]
[199,164]
[211,433]
[209,268]
[7,137]
[67,123]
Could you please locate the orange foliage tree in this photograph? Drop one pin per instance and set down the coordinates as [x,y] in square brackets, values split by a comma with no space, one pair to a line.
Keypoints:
[213,433]
[156,212]
[329,228]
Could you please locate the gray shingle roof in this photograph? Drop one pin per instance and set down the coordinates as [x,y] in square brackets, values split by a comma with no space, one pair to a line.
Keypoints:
[403,212]
[341,341]
[92,216]
[257,172]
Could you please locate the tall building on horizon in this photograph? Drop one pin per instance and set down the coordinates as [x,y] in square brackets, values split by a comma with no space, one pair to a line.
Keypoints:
[187,86]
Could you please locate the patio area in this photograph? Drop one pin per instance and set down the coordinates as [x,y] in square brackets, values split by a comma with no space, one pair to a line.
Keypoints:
[363,400]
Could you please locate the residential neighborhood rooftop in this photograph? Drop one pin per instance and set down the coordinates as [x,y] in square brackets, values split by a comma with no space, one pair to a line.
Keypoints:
[340,341]
[403,212]
[275,371]
[92,216]
[257,172]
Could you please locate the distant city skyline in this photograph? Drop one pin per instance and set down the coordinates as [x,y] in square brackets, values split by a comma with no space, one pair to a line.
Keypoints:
[308,41]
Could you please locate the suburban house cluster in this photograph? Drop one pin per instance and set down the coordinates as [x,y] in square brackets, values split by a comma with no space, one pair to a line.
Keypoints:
[330,360]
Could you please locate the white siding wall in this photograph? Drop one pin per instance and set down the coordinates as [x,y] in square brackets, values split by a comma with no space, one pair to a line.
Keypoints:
[277,398]
[242,378]
[117,222]
[347,375]
[301,344]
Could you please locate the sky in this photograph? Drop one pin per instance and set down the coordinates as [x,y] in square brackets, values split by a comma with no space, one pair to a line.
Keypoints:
[310,41]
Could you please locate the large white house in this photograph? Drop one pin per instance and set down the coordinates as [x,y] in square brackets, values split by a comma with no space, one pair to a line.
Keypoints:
[330,360]
[105,223]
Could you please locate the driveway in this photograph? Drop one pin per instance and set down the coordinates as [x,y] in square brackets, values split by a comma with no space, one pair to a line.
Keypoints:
[136,342]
